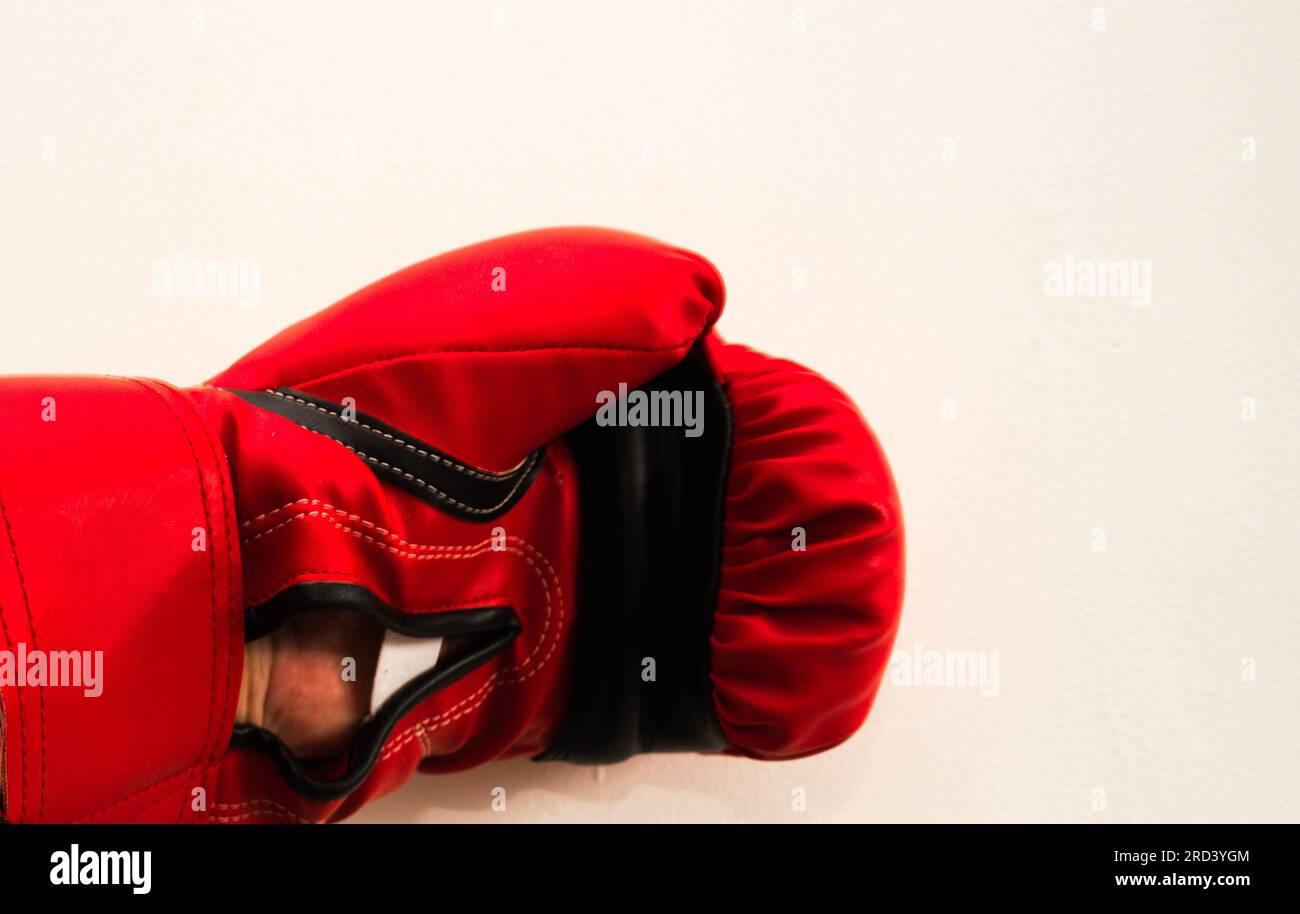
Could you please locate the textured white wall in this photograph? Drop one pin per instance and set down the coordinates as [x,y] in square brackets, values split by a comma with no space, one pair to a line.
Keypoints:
[919,162]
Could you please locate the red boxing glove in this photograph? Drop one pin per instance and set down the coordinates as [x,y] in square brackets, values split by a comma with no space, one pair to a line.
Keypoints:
[442,452]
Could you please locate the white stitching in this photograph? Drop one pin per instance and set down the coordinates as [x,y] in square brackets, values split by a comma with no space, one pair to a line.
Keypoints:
[486,475]
[276,809]
[420,730]
[435,553]
[528,466]
[226,820]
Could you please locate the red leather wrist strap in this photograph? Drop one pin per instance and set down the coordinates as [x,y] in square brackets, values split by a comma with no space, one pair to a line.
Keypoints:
[118,562]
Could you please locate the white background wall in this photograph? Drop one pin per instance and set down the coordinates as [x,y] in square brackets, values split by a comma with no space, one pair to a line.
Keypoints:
[919,163]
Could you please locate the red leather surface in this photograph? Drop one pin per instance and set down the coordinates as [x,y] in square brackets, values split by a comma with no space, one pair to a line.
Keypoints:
[99,509]
[486,353]
[338,522]
[486,366]
[488,376]
[801,637]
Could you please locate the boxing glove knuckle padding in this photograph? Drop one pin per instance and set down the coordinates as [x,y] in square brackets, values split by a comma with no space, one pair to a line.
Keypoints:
[426,455]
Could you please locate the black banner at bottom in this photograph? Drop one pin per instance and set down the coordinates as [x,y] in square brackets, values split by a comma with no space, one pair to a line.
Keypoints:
[299,864]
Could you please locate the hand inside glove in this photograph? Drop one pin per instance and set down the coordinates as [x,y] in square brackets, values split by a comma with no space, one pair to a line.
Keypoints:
[407,517]
[310,681]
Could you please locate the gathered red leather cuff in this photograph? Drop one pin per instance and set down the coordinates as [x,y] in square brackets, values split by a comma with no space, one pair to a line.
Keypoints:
[120,601]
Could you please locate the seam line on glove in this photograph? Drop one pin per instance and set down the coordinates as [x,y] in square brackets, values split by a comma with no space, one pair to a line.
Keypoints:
[156,785]
[438,493]
[22,768]
[421,730]
[31,626]
[210,736]
[424,552]
[485,475]
[276,811]
[233,598]
[429,552]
